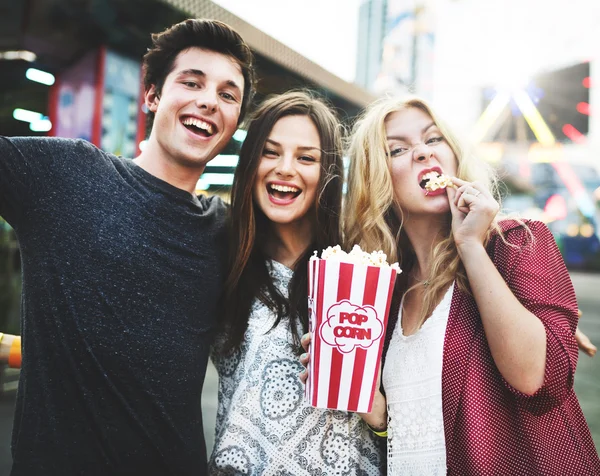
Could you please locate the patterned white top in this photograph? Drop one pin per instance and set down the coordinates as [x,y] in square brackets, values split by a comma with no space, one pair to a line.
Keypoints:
[264,426]
[412,379]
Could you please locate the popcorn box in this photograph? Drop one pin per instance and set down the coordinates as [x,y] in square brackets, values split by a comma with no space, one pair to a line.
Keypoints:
[348,308]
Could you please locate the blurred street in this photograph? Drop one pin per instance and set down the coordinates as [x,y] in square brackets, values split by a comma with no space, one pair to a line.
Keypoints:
[587,380]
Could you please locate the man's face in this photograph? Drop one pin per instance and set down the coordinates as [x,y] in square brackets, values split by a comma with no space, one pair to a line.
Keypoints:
[197,111]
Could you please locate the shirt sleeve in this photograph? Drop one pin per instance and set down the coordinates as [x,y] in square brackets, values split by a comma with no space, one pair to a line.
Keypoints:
[32,167]
[539,279]
[16,181]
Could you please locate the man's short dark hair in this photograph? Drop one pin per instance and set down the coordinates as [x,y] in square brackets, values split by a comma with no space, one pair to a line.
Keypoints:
[212,35]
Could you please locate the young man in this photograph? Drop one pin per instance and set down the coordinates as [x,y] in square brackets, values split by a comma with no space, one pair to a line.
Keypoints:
[121,272]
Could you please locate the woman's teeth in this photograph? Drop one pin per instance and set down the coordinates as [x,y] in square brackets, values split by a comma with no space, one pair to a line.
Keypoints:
[284,188]
[283,191]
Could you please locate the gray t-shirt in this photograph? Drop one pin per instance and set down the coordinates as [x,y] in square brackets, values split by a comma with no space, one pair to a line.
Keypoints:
[121,276]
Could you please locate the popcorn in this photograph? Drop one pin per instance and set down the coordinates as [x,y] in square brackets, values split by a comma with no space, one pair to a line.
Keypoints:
[435,181]
[356,256]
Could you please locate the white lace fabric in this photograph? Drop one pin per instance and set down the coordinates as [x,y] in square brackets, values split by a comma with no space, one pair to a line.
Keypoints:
[412,378]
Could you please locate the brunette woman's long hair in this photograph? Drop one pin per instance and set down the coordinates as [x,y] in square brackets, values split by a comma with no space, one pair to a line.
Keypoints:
[248,274]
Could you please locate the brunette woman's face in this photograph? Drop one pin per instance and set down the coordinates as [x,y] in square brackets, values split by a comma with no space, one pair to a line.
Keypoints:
[288,174]
[417,147]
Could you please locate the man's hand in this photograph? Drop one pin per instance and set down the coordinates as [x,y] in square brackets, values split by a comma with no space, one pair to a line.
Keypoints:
[5,345]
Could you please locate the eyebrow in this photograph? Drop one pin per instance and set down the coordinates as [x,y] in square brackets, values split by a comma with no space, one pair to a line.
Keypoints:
[423,131]
[202,74]
[302,147]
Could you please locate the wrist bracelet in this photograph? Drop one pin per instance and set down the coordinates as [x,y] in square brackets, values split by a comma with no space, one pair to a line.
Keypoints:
[381,434]
[14,357]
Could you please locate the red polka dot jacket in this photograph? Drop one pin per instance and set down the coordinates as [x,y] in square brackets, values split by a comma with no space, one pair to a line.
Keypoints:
[491,428]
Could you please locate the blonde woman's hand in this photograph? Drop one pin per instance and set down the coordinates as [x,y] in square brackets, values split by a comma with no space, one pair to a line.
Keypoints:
[473,209]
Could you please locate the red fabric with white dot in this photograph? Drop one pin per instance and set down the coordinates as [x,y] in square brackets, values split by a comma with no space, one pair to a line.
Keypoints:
[490,427]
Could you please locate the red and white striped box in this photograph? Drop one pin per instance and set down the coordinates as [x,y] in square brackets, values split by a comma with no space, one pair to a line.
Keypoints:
[348,308]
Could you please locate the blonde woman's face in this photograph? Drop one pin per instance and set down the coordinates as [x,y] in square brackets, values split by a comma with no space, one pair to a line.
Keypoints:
[417,147]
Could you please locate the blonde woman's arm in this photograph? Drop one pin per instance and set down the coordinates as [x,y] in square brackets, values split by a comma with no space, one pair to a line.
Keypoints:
[515,335]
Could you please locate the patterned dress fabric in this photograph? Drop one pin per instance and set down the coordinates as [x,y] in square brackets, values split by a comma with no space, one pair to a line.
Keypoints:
[413,383]
[264,426]
[490,427]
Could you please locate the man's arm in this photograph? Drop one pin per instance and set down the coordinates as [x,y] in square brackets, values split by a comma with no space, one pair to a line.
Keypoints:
[33,167]
[17,179]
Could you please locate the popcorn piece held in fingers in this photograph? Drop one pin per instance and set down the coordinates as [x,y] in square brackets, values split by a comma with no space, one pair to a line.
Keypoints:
[433,181]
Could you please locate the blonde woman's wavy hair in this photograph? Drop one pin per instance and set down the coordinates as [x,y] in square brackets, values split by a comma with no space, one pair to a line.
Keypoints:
[371,218]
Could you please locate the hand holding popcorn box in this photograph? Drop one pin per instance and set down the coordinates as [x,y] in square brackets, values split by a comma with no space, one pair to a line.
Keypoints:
[349,301]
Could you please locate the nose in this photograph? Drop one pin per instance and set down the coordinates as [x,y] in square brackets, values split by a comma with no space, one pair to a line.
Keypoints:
[285,166]
[422,153]
[207,100]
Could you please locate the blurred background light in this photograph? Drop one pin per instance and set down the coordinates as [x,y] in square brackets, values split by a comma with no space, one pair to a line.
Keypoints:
[27,116]
[240,135]
[572,229]
[586,230]
[583,108]
[587,82]
[223,161]
[18,55]
[202,185]
[556,208]
[573,134]
[217,179]
[534,118]
[490,115]
[39,76]
[43,125]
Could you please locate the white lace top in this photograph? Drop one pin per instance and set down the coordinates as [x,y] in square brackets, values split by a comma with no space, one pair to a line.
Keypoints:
[412,378]
[264,427]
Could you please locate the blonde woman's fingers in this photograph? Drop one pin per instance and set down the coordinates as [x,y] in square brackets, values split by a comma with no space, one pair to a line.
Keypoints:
[474,188]
[465,201]
[482,189]
[459,182]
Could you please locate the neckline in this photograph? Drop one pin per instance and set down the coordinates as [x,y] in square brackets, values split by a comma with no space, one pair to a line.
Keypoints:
[283,267]
[429,319]
[159,183]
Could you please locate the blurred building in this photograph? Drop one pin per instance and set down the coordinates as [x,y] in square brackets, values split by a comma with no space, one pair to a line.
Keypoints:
[537,46]
[396,46]
[72,68]
[520,80]
[372,20]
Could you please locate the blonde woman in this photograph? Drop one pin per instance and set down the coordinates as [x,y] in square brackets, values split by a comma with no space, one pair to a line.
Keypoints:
[480,352]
